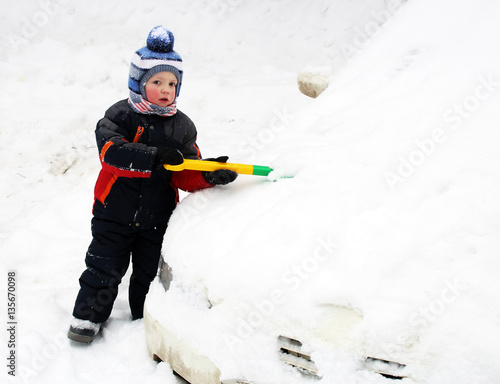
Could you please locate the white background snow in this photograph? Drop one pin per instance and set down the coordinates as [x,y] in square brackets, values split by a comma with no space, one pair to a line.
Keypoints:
[396,166]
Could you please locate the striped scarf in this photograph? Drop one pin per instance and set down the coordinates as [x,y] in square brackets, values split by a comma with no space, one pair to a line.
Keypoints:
[141,105]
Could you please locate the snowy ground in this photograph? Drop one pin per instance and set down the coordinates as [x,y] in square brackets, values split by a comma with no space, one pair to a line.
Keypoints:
[397,163]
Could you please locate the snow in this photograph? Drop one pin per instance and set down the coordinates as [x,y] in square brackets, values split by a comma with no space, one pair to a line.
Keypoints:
[392,211]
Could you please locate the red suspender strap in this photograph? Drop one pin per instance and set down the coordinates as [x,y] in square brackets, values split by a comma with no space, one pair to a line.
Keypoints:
[138,134]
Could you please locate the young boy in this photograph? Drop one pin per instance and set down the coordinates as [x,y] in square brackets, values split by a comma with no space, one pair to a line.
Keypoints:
[134,194]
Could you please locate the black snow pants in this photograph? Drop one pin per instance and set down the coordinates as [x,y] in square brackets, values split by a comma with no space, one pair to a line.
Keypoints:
[107,260]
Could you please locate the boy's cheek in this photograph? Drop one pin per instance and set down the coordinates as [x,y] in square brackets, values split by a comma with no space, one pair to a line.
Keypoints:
[151,94]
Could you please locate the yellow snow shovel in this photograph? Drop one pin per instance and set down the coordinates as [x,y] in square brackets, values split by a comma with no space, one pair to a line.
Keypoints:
[210,166]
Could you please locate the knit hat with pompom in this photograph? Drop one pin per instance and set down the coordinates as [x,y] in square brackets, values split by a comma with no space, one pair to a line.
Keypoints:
[157,56]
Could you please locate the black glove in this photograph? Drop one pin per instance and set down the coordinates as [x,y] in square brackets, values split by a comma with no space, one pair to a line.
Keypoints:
[167,155]
[220,159]
[220,176]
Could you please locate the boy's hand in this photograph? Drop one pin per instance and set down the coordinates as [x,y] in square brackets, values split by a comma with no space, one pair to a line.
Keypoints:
[166,155]
[220,159]
[221,176]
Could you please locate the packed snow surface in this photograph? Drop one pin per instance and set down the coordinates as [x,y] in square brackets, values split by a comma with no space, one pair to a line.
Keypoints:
[392,210]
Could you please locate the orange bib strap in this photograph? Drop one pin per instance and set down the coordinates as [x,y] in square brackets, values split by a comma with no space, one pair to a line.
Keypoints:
[138,134]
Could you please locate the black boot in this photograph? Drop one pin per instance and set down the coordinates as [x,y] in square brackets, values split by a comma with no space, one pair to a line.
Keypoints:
[83,331]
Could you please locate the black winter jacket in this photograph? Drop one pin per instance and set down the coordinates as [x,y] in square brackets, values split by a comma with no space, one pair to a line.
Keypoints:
[130,189]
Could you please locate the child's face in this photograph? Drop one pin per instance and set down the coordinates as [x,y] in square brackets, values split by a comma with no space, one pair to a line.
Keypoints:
[160,89]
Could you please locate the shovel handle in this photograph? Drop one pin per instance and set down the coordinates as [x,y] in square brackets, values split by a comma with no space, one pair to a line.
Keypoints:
[210,166]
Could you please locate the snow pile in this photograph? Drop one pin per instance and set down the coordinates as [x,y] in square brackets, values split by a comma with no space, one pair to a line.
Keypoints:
[392,212]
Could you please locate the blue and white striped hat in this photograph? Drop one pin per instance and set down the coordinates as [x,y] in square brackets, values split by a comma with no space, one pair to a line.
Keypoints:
[157,56]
